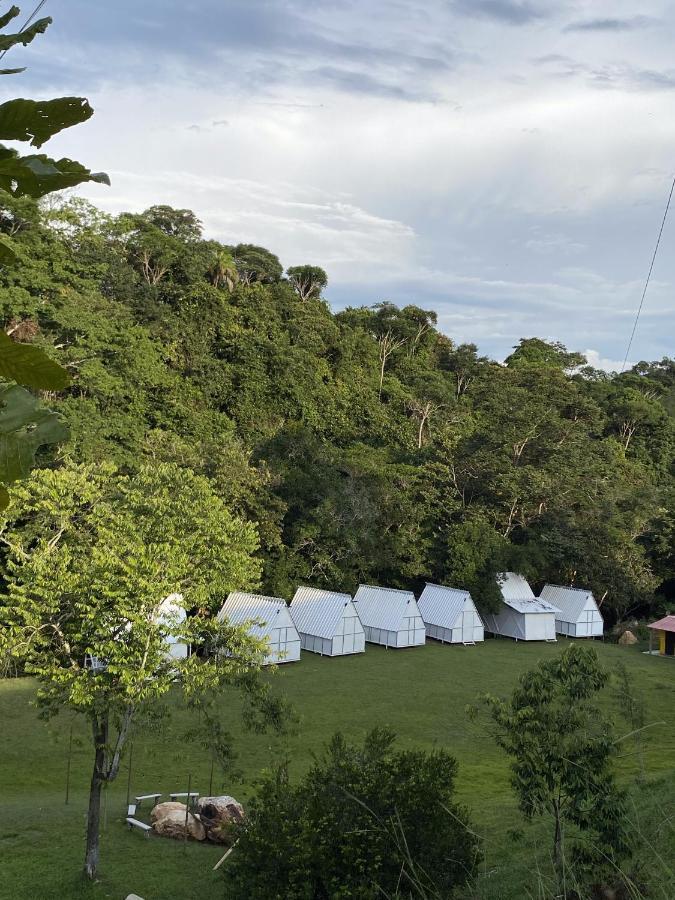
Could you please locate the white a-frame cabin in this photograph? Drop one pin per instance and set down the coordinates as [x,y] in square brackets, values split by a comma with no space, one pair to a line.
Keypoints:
[521,616]
[389,617]
[578,614]
[450,615]
[327,622]
[269,619]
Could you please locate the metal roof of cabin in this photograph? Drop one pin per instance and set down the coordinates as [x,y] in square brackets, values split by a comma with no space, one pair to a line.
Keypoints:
[517,594]
[531,606]
[318,612]
[665,624]
[570,601]
[514,587]
[242,607]
[441,605]
[380,607]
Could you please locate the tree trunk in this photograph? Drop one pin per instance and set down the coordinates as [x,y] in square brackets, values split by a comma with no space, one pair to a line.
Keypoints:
[558,860]
[100,732]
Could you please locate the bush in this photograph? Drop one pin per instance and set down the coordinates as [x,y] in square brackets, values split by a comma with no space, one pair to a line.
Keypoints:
[365,822]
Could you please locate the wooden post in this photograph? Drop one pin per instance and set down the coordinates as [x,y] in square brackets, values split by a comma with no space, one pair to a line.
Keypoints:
[187,810]
[131,751]
[211,777]
[651,632]
[70,753]
[224,856]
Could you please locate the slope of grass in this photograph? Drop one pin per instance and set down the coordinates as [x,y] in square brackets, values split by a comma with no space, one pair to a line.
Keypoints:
[420,693]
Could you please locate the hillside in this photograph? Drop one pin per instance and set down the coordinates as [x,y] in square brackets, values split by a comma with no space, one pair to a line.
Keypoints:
[365,444]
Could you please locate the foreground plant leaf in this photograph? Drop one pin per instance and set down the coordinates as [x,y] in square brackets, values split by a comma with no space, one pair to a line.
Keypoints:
[38,120]
[37,175]
[21,37]
[30,366]
[25,426]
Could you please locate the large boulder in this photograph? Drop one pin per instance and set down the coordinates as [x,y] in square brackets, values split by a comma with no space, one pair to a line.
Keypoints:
[173,825]
[163,809]
[219,815]
[627,638]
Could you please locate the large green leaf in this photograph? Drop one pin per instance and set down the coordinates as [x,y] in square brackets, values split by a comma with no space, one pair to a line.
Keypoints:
[37,175]
[38,120]
[25,426]
[26,36]
[30,366]
[11,13]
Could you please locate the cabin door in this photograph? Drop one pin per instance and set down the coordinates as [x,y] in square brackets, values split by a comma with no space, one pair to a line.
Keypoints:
[670,643]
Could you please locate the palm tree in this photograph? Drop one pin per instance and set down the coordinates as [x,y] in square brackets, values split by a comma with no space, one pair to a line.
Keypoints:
[223,270]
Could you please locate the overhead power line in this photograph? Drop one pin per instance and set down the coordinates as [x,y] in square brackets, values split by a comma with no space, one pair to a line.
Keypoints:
[649,275]
[27,22]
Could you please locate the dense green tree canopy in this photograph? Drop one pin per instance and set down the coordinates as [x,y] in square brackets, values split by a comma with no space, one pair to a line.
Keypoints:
[366,445]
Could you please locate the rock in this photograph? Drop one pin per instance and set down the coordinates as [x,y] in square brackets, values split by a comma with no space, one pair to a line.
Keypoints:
[628,638]
[163,809]
[134,897]
[219,815]
[220,809]
[172,825]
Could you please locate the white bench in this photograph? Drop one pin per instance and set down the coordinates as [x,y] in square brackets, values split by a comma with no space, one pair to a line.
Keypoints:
[191,796]
[153,797]
[142,826]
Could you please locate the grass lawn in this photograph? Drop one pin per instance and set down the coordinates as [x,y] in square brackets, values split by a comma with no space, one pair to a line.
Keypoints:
[420,693]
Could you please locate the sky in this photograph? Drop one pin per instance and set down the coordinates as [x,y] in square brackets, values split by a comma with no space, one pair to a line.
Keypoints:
[505,163]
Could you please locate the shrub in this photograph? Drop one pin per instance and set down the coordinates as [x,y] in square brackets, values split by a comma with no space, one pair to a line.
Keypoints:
[364,822]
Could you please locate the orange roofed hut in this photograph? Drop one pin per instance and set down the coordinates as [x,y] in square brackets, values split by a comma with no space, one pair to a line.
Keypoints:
[665,629]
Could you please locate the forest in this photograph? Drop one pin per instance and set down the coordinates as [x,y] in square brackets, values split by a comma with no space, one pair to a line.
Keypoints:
[365,445]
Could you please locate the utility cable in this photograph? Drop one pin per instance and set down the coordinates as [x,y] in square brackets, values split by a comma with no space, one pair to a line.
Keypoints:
[649,275]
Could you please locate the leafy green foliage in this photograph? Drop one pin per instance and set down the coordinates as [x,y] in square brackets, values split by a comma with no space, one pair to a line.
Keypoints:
[364,822]
[536,352]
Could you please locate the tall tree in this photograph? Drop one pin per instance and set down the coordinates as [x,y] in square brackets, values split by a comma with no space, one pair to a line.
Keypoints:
[91,556]
[561,749]
[256,264]
[307,281]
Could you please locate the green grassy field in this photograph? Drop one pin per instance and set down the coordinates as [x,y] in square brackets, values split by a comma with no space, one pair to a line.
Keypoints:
[420,693]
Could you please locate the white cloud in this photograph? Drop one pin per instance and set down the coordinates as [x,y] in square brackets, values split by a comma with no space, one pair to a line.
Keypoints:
[598,361]
[509,188]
